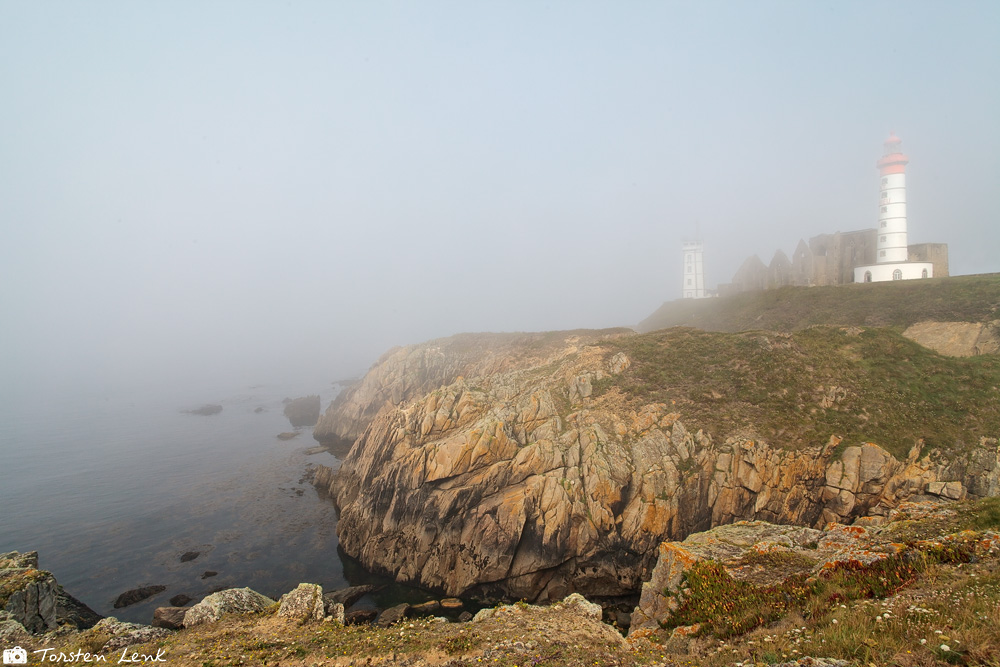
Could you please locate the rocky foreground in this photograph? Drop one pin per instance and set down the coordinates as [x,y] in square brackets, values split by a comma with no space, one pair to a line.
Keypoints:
[920,587]
[527,466]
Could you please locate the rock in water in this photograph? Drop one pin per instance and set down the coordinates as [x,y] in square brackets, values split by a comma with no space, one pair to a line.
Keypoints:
[205,410]
[302,411]
[137,595]
[348,596]
[229,601]
[180,600]
[189,555]
[304,604]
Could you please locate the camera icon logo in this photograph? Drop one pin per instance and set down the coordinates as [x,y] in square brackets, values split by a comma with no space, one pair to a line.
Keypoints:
[15,656]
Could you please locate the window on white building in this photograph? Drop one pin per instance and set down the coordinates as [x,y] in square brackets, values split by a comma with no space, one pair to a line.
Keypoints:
[897,275]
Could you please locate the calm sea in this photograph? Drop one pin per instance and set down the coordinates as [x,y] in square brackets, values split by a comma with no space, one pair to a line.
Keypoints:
[111,490]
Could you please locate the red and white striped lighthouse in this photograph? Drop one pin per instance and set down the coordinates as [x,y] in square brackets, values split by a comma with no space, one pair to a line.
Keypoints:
[891,246]
[891,250]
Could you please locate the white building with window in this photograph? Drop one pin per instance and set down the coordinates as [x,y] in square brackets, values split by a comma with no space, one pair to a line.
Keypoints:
[694,270]
[891,248]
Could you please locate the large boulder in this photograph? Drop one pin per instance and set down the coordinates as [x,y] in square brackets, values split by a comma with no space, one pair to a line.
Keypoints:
[303,604]
[171,618]
[229,601]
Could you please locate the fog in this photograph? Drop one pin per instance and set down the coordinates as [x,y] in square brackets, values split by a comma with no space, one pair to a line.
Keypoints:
[248,190]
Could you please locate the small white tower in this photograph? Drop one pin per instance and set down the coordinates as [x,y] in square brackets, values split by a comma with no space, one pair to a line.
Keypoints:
[891,246]
[694,270]
[891,251]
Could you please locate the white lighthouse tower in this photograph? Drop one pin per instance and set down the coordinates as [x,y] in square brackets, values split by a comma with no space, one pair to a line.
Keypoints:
[891,249]
[694,270]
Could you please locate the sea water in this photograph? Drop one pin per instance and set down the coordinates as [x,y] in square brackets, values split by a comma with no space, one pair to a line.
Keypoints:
[112,488]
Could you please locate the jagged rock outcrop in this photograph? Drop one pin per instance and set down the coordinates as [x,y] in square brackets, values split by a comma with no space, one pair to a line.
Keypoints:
[765,554]
[527,484]
[33,599]
[404,373]
[302,411]
[957,339]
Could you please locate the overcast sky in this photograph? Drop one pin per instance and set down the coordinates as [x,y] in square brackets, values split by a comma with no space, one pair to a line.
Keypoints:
[251,188]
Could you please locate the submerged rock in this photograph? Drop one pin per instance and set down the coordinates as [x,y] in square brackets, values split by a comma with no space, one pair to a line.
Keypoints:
[205,410]
[137,595]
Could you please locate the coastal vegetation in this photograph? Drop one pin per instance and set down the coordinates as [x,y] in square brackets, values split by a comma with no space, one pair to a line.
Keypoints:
[797,389]
[896,304]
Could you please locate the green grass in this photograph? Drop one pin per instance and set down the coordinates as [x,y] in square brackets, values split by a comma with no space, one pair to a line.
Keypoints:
[894,304]
[885,388]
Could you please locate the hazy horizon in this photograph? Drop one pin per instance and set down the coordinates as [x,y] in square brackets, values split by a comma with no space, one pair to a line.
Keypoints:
[242,191]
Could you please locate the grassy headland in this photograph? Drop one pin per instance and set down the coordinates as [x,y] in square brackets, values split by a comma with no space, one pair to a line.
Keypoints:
[891,304]
[797,389]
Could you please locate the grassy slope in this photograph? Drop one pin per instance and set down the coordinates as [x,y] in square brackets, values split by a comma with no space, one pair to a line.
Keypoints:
[889,390]
[895,304]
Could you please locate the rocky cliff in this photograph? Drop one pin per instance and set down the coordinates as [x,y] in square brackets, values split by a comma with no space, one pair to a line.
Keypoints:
[405,373]
[32,601]
[542,479]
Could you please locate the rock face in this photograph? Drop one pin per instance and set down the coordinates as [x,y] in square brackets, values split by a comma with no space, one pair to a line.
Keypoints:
[405,373]
[33,599]
[526,483]
[302,411]
[229,601]
[957,339]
